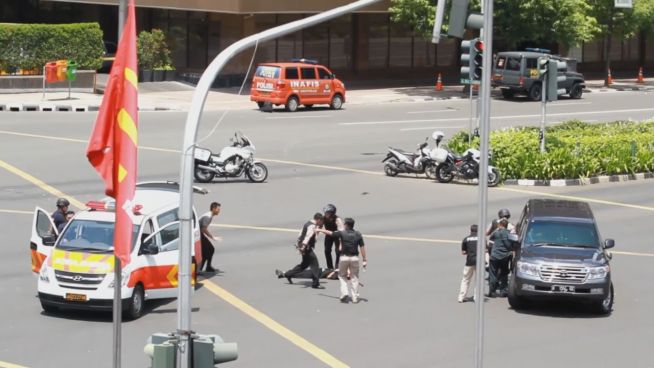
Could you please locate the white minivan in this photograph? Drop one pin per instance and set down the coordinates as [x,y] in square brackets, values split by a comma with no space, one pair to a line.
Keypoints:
[76,268]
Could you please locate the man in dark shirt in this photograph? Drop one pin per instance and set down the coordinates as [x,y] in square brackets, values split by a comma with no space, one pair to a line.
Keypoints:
[332,222]
[306,244]
[468,249]
[351,243]
[69,216]
[499,259]
[205,236]
[59,216]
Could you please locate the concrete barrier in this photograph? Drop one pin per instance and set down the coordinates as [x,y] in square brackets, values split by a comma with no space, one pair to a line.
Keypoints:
[15,107]
[63,108]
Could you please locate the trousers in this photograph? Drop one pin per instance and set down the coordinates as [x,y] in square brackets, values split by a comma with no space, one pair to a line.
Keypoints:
[207,251]
[331,242]
[468,273]
[498,277]
[309,260]
[349,287]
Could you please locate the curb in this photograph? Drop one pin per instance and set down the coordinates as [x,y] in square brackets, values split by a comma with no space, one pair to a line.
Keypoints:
[582,181]
[48,107]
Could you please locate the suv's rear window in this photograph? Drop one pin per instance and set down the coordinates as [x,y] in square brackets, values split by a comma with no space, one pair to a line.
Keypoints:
[501,61]
[291,73]
[513,64]
[576,234]
[267,72]
[308,73]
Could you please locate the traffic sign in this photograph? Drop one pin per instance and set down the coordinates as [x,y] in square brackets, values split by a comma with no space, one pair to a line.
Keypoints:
[467,81]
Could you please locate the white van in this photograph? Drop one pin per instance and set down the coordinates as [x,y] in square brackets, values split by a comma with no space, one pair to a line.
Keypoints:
[76,268]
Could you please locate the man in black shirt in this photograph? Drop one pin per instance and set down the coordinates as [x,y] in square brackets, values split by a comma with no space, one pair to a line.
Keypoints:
[332,223]
[59,216]
[351,243]
[306,244]
[499,259]
[468,249]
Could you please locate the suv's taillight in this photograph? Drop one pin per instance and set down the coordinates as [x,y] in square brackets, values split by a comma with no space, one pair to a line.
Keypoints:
[280,84]
[521,81]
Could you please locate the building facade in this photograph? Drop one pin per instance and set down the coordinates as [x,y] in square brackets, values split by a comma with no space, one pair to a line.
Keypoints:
[361,45]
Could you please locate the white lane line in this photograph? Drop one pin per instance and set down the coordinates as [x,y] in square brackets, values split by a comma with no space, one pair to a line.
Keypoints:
[296,117]
[431,111]
[569,104]
[495,117]
[430,128]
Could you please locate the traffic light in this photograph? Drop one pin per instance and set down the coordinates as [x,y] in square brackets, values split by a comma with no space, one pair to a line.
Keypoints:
[459,19]
[543,64]
[209,350]
[553,79]
[466,61]
[476,59]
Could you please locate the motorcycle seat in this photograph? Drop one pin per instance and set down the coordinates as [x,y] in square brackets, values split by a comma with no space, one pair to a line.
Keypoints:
[406,153]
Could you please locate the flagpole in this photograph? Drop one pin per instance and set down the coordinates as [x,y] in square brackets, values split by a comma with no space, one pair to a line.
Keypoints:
[118,310]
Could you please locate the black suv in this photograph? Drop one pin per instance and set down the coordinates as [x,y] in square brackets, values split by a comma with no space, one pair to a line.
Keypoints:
[561,254]
[516,72]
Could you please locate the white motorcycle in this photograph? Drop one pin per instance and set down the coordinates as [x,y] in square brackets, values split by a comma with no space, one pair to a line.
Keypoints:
[421,162]
[465,167]
[232,162]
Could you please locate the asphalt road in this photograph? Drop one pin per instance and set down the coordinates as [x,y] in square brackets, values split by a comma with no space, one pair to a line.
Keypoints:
[408,316]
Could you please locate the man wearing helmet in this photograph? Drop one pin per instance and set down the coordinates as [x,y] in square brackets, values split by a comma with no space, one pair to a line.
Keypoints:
[332,223]
[59,216]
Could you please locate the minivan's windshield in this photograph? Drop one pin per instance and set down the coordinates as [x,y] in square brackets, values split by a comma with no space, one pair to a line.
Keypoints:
[91,236]
[562,233]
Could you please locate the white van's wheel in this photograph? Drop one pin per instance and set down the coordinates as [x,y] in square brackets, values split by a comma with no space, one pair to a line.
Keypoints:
[136,303]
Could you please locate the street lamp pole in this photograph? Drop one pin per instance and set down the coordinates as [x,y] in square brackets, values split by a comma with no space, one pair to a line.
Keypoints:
[190,136]
[122,15]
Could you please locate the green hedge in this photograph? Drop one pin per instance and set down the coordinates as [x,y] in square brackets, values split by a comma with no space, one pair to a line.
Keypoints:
[30,46]
[573,150]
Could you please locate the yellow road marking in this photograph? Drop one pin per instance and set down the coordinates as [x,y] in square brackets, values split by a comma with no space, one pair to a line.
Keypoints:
[10,365]
[577,198]
[273,325]
[40,184]
[322,166]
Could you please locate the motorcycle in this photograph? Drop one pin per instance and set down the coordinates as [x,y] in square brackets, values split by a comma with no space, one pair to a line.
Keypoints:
[420,162]
[465,167]
[232,162]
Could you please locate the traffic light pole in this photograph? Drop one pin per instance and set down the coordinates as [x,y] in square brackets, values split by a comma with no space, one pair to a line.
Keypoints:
[189,142]
[543,107]
[484,123]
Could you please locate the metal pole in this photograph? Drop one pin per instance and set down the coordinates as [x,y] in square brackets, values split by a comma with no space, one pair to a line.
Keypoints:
[122,15]
[43,98]
[543,108]
[484,95]
[118,311]
[190,136]
[471,115]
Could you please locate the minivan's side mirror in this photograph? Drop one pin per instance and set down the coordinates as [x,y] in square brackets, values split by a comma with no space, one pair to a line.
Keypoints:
[333,75]
[152,249]
[609,243]
[49,240]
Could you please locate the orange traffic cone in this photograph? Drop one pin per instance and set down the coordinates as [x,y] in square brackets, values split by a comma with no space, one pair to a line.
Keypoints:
[640,78]
[609,78]
[475,87]
[439,83]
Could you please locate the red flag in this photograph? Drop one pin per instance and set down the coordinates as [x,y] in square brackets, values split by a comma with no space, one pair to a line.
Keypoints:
[112,146]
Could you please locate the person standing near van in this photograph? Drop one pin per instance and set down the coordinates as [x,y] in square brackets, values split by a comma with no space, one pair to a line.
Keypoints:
[59,216]
[468,249]
[499,259]
[332,223]
[206,237]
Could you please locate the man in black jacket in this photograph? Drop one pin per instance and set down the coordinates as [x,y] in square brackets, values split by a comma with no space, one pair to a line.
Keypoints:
[306,244]
[468,249]
[499,259]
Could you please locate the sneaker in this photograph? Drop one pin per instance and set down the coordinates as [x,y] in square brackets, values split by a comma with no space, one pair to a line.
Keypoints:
[317,287]
[355,300]
[210,269]
[279,274]
[491,295]
[460,300]
[343,298]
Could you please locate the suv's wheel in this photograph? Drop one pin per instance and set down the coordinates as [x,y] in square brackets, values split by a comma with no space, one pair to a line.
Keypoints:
[576,91]
[507,94]
[136,303]
[605,306]
[535,92]
[337,102]
[292,104]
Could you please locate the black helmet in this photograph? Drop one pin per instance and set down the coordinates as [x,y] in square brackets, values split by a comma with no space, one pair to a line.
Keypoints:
[62,202]
[329,208]
[504,212]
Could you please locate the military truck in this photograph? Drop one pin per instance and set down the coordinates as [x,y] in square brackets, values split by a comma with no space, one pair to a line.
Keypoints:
[516,72]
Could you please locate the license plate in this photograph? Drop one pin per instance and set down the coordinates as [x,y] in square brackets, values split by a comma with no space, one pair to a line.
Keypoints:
[563,288]
[76,297]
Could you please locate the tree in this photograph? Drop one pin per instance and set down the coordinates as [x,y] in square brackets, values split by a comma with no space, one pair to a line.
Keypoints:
[625,22]
[416,14]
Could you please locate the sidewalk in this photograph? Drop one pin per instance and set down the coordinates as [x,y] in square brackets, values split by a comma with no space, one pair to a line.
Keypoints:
[176,96]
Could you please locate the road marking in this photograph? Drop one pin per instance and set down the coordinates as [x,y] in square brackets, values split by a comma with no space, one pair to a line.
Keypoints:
[432,128]
[577,198]
[322,166]
[368,236]
[569,104]
[55,192]
[227,296]
[633,253]
[493,117]
[10,365]
[296,117]
[431,111]
[274,326]
[19,212]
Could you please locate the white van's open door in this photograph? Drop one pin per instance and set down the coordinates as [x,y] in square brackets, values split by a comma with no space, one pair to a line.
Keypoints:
[44,235]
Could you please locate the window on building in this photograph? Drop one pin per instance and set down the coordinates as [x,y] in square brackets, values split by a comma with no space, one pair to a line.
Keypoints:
[198,29]
[178,37]
[266,50]
[377,40]
[401,46]
[340,42]
[316,44]
[423,52]
[289,46]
